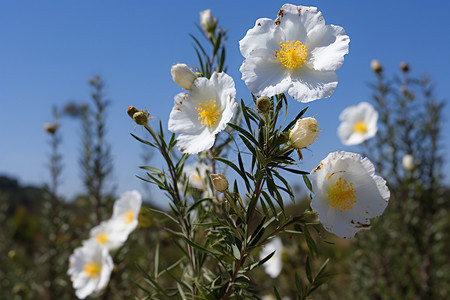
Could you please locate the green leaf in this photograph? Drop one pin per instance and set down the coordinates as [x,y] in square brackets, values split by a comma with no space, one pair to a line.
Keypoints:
[310,242]
[244,132]
[294,171]
[277,295]
[307,182]
[230,164]
[300,114]
[156,260]
[236,252]
[244,176]
[269,202]
[143,141]
[308,270]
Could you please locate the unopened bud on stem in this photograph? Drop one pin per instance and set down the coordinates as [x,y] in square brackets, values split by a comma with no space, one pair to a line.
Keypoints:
[408,162]
[208,21]
[183,76]
[404,67]
[220,182]
[263,104]
[51,128]
[304,133]
[140,117]
[376,66]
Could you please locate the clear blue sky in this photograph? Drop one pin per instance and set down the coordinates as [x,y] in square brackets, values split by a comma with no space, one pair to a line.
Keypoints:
[48,50]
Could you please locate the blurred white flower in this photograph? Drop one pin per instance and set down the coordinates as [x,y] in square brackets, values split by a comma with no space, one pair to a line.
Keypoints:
[198,116]
[296,53]
[126,212]
[90,267]
[347,193]
[358,123]
[207,20]
[304,133]
[408,162]
[273,265]
[183,76]
[109,234]
[197,175]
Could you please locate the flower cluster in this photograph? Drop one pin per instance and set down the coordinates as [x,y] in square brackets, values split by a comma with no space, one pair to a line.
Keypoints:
[91,264]
[297,54]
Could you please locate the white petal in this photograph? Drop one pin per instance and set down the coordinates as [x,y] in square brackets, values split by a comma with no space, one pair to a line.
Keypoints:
[87,289]
[184,117]
[297,21]
[327,45]
[263,74]
[264,35]
[309,85]
[107,267]
[194,144]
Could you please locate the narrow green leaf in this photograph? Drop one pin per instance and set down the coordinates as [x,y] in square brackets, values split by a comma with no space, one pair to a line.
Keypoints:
[300,114]
[277,295]
[244,132]
[308,270]
[310,242]
[307,182]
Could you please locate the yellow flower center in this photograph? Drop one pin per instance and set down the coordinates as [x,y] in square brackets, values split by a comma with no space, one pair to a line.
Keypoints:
[360,127]
[208,113]
[92,269]
[129,216]
[196,177]
[292,54]
[342,195]
[102,238]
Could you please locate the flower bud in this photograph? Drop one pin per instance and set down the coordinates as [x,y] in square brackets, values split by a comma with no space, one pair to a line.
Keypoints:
[304,133]
[263,104]
[376,66]
[131,110]
[408,162]
[404,67]
[208,21]
[183,76]
[220,182]
[141,118]
[51,128]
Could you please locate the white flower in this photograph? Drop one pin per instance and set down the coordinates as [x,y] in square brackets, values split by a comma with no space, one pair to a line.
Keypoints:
[207,20]
[183,76]
[358,123]
[273,265]
[347,193]
[199,115]
[296,53]
[304,133]
[90,268]
[110,234]
[197,175]
[126,212]
[408,162]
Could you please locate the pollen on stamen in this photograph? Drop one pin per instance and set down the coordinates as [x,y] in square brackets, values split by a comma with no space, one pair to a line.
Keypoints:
[360,127]
[102,238]
[292,54]
[129,216]
[92,269]
[208,113]
[342,195]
